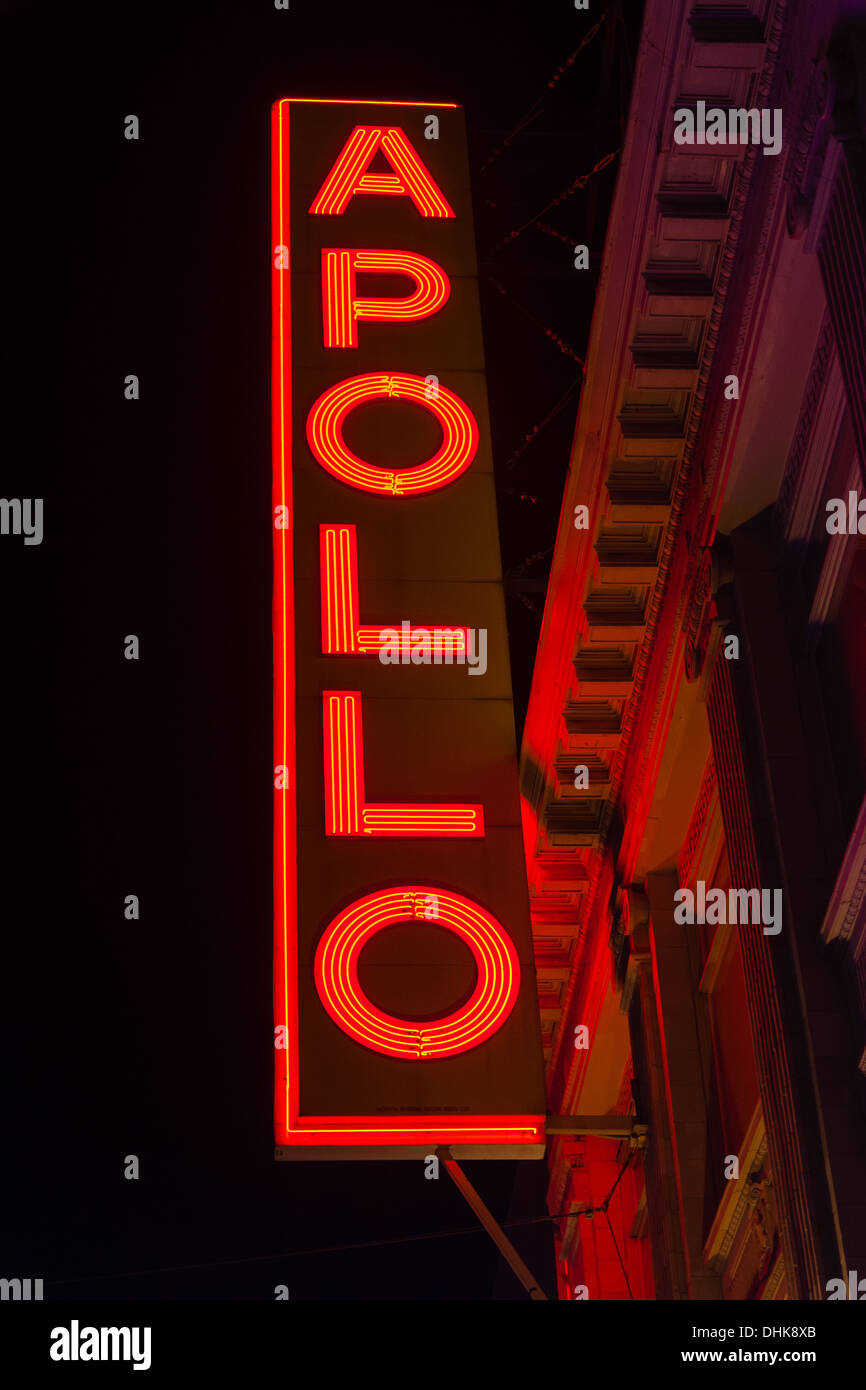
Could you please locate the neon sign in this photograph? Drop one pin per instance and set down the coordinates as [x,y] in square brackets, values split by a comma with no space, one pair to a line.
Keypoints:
[347,869]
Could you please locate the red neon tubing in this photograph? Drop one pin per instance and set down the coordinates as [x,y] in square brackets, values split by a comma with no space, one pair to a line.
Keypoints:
[484,1013]
[349,176]
[342,307]
[328,415]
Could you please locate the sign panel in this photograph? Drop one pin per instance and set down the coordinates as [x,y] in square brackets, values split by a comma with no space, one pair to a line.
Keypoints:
[404,990]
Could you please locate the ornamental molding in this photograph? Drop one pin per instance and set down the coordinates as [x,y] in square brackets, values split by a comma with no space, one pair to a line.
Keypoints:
[796,519]
[775,1280]
[808,150]
[735,1200]
[698,821]
[845,918]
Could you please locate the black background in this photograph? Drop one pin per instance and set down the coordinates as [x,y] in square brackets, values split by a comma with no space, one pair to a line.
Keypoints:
[154,777]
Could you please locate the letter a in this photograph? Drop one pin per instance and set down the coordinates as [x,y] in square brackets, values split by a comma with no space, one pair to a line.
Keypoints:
[684,126]
[684,907]
[349,175]
[60,1341]
[836,517]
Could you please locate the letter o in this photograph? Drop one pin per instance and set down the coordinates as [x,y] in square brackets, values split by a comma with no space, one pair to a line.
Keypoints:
[491,1002]
[325,434]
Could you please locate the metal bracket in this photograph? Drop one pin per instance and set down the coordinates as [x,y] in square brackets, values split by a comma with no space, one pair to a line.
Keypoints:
[600,1126]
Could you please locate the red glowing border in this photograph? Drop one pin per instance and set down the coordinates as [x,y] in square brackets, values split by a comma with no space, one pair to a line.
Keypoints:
[345,1131]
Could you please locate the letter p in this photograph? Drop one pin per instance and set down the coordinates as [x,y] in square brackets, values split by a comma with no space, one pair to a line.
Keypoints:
[342,307]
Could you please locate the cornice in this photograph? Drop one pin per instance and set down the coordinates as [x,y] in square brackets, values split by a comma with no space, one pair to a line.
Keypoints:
[736,1197]
[793,516]
[647,655]
[696,421]
[845,918]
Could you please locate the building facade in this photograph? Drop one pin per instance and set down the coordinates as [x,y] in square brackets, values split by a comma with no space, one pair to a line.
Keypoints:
[697,719]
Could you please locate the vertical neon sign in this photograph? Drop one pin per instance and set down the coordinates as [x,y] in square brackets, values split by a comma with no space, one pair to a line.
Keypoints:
[389,1041]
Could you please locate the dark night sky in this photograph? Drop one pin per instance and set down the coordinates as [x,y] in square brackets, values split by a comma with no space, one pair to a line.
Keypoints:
[153,778]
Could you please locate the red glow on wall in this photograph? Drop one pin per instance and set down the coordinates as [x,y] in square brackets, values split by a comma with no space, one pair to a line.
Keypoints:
[494,996]
[346,810]
[342,308]
[328,415]
[349,175]
[342,634]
